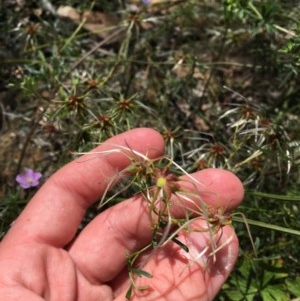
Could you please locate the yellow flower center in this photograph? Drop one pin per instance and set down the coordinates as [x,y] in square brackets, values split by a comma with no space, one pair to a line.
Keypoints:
[161,182]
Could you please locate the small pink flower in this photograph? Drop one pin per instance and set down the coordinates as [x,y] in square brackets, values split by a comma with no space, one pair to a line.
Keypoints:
[29,178]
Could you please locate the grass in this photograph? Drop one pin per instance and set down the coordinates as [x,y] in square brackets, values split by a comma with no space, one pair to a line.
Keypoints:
[221,75]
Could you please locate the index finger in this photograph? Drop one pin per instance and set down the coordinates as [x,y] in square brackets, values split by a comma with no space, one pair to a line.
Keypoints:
[55,212]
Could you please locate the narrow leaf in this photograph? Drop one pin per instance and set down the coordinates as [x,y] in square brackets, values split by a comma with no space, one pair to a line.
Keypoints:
[129,292]
[292,198]
[180,244]
[268,226]
[140,273]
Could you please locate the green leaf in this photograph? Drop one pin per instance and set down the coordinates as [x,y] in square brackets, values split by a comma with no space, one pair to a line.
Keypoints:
[292,198]
[267,226]
[244,285]
[181,245]
[140,273]
[275,293]
[129,292]
[272,270]
[236,295]
[293,286]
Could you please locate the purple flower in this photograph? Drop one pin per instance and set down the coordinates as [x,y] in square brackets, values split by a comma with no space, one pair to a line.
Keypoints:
[146,2]
[29,178]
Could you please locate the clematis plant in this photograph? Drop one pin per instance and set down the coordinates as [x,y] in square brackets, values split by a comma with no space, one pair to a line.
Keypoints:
[29,178]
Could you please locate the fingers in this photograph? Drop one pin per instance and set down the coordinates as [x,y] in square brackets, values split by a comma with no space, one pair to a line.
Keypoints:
[218,188]
[56,211]
[126,227]
[221,188]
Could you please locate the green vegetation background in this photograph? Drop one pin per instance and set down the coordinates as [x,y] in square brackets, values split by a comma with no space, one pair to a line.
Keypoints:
[219,79]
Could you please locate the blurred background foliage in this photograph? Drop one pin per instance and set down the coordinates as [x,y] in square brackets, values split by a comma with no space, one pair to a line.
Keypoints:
[218,79]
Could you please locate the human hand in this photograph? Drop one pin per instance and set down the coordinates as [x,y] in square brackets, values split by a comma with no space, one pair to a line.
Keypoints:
[41,258]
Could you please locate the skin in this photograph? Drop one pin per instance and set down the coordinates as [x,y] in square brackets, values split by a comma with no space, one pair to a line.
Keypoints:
[41,258]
